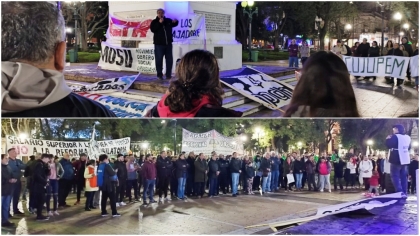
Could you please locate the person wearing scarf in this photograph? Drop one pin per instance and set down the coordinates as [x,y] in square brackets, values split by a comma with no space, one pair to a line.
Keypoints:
[399,144]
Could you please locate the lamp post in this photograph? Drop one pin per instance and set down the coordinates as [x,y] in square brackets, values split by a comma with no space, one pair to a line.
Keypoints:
[369,143]
[76,10]
[174,120]
[348,28]
[250,13]
[398,17]
[383,26]
[299,144]
[406,27]
[318,24]
[258,131]
[144,146]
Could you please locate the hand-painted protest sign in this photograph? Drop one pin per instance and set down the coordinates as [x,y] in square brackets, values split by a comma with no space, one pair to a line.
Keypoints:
[108,85]
[392,66]
[127,59]
[414,65]
[120,106]
[28,146]
[260,87]
[190,27]
[210,141]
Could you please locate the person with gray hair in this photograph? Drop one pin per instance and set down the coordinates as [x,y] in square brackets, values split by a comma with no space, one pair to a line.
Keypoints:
[33,54]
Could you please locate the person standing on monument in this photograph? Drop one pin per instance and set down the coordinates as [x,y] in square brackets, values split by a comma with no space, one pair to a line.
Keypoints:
[399,145]
[162,39]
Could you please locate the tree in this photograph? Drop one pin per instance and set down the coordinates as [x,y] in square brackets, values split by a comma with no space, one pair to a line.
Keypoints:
[91,17]
[241,25]
[410,13]
[275,17]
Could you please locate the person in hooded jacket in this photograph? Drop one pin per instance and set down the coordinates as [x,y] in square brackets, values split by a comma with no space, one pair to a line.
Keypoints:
[132,168]
[164,172]
[121,169]
[110,181]
[275,172]
[374,51]
[288,167]
[298,168]
[409,49]
[214,172]
[79,167]
[339,166]
[91,184]
[223,175]
[266,173]
[181,175]
[310,167]
[200,175]
[189,187]
[40,181]
[396,52]
[6,191]
[249,174]
[174,179]
[235,170]
[257,178]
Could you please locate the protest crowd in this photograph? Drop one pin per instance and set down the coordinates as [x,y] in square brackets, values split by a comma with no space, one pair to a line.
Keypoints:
[51,179]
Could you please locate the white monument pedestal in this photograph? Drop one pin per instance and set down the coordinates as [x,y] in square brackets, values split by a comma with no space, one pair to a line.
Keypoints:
[220,27]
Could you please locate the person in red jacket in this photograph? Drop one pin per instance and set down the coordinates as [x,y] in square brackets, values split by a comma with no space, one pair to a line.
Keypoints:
[149,177]
[374,182]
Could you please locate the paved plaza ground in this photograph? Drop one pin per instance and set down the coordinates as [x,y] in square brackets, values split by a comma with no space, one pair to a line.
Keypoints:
[375,99]
[227,215]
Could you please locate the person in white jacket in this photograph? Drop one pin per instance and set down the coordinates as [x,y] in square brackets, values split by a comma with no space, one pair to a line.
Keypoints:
[365,171]
[352,165]
[91,186]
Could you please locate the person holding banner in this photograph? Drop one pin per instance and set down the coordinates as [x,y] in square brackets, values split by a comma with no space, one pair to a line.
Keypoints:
[389,46]
[396,52]
[162,39]
[373,52]
[409,49]
[363,50]
[399,144]
[339,49]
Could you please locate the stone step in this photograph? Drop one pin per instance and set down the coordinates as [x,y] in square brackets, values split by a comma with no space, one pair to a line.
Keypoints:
[249,108]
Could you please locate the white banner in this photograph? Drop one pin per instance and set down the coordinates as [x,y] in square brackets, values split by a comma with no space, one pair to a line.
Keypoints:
[120,84]
[120,106]
[260,87]
[190,27]
[414,66]
[392,66]
[127,59]
[28,146]
[208,142]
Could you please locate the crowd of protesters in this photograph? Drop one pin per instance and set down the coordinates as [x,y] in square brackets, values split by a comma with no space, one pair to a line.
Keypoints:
[180,177]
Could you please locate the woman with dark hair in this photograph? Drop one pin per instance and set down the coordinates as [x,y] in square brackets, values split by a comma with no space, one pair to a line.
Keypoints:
[197,92]
[324,89]
[373,52]
[354,49]
[389,46]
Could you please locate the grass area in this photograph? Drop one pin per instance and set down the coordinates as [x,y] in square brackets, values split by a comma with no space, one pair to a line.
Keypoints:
[267,55]
[85,57]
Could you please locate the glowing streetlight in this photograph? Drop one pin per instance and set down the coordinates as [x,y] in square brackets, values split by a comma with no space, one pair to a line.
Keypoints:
[165,149]
[370,142]
[401,33]
[247,3]
[415,144]
[23,135]
[348,27]
[145,145]
[244,138]
[69,30]
[340,145]
[299,144]
[398,16]
[406,26]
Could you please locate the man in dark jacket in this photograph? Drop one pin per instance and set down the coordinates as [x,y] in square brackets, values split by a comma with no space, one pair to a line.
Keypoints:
[28,174]
[17,166]
[409,49]
[381,171]
[266,173]
[107,189]
[310,167]
[39,183]
[363,50]
[399,145]
[189,188]
[396,52]
[79,174]
[275,172]
[164,170]
[65,183]
[414,165]
[373,52]
[148,171]
[200,175]
[31,64]
[223,176]
[339,166]
[293,54]
[7,182]
[162,39]
[235,170]
[214,172]
[121,169]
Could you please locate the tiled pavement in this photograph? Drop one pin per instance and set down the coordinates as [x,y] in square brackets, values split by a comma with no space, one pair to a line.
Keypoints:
[225,215]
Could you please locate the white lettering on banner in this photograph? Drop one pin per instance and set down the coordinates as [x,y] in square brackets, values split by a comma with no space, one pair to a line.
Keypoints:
[414,66]
[108,85]
[392,66]
[260,87]
[28,147]
[120,106]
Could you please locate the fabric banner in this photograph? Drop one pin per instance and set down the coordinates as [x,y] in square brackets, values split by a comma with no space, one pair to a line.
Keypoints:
[28,146]
[120,106]
[392,66]
[190,27]
[120,84]
[414,66]
[260,87]
[208,142]
[127,59]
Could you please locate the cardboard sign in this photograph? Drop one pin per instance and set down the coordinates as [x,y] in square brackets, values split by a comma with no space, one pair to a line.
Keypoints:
[120,84]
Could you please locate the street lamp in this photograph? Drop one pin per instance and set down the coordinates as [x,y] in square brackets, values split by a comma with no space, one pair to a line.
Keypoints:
[415,144]
[406,26]
[369,143]
[318,21]
[23,135]
[250,13]
[174,120]
[244,138]
[398,17]
[68,29]
[383,26]
[258,131]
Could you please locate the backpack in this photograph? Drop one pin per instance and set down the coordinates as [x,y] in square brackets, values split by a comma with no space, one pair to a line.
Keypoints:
[101,169]
[349,53]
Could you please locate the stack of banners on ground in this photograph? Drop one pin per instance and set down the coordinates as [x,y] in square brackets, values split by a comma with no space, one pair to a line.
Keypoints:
[260,87]
[392,66]
[210,141]
[120,106]
[119,84]
[190,27]
[29,146]
[127,59]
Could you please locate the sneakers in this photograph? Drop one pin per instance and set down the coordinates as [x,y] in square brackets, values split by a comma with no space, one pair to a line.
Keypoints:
[145,203]
[56,213]
[7,224]
[116,215]
[160,200]
[322,190]
[18,213]
[122,204]
[168,199]
[153,201]
[50,213]
[160,78]
[42,218]
[329,190]
[77,203]
[118,204]
[104,214]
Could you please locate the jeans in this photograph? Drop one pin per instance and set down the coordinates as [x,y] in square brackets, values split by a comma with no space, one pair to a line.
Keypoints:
[298,177]
[275,180]
[199,188]
[293,62]
[89,199]
[416,80]
[399,177]
[324,180]
[52,189]
[235,182]
[5,208]
[149,186]
[181,187]
[266,183]
[64,190]
[338,181]
[16,194]
[213,191]
[311,182]
[160,52]
[131,183]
